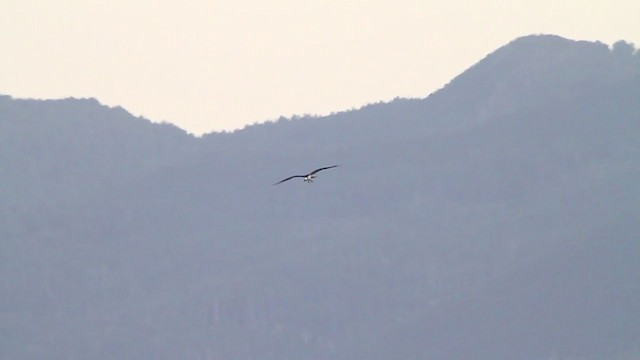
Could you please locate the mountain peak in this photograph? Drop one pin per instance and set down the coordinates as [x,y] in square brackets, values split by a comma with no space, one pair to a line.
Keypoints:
[530,69]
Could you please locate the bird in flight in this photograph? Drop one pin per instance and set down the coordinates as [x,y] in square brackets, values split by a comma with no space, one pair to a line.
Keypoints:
[307,177]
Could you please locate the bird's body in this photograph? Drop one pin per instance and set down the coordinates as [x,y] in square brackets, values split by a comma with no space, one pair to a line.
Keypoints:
[307,177]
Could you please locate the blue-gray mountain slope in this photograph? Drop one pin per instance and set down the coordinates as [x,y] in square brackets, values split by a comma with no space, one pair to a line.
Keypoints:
[494,219]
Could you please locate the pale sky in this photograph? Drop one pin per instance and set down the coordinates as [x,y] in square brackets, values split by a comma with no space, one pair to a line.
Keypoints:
[219,65]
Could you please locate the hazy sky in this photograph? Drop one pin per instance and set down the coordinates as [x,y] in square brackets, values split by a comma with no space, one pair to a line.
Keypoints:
[216,65]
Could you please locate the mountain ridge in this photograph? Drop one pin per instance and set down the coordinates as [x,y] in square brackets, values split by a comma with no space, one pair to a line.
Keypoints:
[457,226]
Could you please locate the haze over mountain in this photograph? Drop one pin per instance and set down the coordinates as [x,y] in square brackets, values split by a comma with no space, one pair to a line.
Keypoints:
[494,219]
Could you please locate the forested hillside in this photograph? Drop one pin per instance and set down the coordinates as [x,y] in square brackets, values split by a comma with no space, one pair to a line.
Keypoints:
[496,218]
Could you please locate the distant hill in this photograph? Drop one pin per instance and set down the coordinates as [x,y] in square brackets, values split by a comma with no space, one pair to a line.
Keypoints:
[64,150]
[497,218]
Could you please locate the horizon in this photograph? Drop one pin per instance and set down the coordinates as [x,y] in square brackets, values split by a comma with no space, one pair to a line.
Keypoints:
[221,67]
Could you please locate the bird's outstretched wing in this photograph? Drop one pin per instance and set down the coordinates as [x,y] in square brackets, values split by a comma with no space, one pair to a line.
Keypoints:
[289,178]
[323,168]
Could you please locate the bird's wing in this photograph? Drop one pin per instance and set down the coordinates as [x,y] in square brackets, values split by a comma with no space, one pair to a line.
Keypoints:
[289,178]
[324,168]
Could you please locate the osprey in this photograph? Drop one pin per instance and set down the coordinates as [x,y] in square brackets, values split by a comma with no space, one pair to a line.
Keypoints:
[307,177]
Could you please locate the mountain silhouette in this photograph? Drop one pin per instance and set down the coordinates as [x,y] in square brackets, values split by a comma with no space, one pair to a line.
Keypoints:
[496,218]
